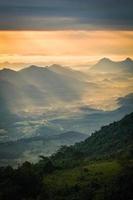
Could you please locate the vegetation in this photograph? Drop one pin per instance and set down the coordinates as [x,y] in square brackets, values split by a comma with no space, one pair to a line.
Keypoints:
[100,168]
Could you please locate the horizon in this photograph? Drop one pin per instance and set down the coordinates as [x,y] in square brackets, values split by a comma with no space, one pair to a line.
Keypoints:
[84,65]
[74,48]
[65,32]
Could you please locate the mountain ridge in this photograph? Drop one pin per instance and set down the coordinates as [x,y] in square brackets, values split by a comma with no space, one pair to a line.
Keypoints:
[107,65]
[110,141]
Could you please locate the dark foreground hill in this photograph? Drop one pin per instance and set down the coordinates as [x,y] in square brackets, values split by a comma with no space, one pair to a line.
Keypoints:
[111,141]
[100,168]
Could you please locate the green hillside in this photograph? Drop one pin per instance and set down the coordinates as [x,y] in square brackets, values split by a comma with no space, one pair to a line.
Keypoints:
[100,168]
[112,141]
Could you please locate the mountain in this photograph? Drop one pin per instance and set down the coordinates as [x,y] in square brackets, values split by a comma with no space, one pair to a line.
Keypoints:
[71,137]
[110,141]
[42,86]
[30,148]
[107,65]
[113,139]
[39,103]
[90,120]
[57,86]
[67,71]
[101,167]
[29,137]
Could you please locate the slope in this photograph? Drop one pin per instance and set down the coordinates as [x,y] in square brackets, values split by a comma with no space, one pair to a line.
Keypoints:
[111,141]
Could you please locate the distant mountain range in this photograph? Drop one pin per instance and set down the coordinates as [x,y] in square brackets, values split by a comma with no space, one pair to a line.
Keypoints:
[107,65]
[30,148]
[32,89]
[103,65]
[31,138]
[45,86]
[42,86]
[43,108]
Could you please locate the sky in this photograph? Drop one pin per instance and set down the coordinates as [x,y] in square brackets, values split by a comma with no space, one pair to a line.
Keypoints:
[65,31]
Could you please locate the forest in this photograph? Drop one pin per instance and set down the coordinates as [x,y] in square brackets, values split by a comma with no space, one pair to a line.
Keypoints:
[99,168]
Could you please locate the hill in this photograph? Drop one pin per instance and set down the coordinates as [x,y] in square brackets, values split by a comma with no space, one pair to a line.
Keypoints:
[99,168]
[111,141]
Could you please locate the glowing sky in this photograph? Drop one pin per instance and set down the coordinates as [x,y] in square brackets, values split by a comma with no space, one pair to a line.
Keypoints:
[30,46]
[65,31]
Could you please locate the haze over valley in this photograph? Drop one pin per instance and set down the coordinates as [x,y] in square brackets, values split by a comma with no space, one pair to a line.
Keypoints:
[43,108]
[66,100]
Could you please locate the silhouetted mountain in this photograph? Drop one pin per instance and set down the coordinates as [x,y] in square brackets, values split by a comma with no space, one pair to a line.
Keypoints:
[107,65]
[7,72]
[67,71]
[41,86]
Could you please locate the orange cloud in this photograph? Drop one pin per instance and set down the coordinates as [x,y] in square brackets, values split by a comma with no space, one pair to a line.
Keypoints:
[114,44]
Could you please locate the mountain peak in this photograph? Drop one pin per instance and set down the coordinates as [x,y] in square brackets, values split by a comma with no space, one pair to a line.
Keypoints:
[56,67]
[32,68]
[60,69]
[105,60]
[128,60]
[7,70]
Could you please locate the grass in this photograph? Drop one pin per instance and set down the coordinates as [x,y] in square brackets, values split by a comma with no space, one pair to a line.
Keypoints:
[100,172]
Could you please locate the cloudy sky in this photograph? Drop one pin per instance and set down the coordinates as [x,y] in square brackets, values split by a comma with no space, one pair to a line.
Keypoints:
[48,30]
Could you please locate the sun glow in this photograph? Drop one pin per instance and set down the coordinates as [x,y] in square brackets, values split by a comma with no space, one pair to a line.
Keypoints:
[64,46]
